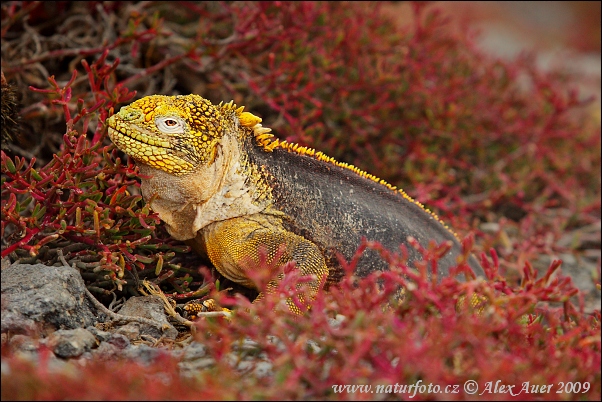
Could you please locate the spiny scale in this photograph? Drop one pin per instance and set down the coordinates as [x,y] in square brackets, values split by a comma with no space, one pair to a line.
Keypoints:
[266,140]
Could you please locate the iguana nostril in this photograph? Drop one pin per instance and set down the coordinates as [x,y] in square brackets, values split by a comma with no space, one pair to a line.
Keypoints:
[130,115]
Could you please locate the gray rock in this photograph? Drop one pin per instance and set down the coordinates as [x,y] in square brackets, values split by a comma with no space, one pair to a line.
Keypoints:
[102,336]
[193,351]
[120,341]
[258,365]
[582,272]
[150,307]
[16,323]
[23,343]
[51,295]
[107,351]
[5,263]
[248,346]
[144,353]
[130,331]
[190,368]
[71,342]
[335,323]
[194,359]
[52,363]
[263,369]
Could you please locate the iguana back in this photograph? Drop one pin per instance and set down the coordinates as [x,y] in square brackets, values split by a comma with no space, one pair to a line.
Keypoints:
[335,208]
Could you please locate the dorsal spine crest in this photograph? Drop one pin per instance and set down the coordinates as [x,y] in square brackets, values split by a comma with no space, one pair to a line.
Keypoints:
[265,139]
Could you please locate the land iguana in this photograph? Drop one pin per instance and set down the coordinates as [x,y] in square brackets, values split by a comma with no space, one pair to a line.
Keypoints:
[221,181]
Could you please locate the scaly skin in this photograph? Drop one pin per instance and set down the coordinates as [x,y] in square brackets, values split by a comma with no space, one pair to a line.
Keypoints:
[222,182]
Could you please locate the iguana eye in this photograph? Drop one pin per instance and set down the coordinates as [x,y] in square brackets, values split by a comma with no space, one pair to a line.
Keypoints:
[169,125]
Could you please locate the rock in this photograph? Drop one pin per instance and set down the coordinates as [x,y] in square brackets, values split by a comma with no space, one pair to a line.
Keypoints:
[16,323]
[71,342]
[194,358]
[119,341]
[190,369]
[264,369]
[193,351]
[150,307]
[131,331]
[249,346]
[50,295]
[335,323]
[582,272]
[107,351]
[23,343]
[102,336]
[5,263]
[489,227]
[144,354]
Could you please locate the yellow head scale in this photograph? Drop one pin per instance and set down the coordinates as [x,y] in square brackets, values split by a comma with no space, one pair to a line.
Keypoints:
[172,133]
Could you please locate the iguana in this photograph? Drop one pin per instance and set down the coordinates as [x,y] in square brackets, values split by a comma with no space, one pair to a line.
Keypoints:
[221,181]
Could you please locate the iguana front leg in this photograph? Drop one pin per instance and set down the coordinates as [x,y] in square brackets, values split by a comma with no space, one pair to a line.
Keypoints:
[233,248]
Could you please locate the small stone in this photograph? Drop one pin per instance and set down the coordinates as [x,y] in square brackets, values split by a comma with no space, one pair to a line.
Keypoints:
[107,351]
[248,345]
[568,259]
[194,351]
[144,353]
[191,367]
[119,340]
[16,323]
[313,345]
[244,365]
[71,342]
[335,323]
[102,336]
[5,263]
[23,343]
[263,369]
[150,307]
[490,227]
[131,331]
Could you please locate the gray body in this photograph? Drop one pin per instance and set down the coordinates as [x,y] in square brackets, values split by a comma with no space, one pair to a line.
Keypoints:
[335,208]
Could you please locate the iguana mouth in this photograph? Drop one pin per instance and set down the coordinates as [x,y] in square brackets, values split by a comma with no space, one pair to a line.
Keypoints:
[139,136]
[157,153]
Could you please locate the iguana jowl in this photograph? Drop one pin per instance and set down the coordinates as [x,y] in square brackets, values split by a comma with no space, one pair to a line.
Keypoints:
[220,180]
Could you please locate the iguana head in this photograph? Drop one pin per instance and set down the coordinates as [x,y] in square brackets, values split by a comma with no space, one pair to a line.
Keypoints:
[176,134]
